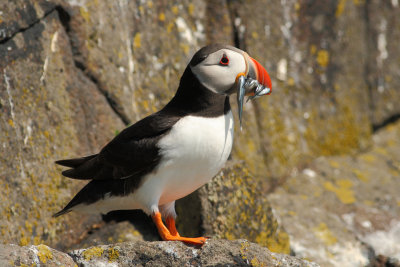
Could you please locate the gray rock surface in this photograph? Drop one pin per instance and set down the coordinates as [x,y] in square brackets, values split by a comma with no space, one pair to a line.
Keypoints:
[345,211]
[49,110]
[139,253]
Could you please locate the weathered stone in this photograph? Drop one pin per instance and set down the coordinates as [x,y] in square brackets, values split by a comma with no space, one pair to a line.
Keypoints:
[214,253]
[342,211]
[140,253]
[20,15]
[39,255]
[382,71]
[49,110]
[313,55]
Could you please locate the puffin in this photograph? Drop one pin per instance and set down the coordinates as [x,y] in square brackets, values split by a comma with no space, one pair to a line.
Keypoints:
[171,153]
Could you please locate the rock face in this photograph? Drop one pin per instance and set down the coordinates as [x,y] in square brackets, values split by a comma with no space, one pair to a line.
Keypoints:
[344,211]
[314,171]
[49,110]
[139,253]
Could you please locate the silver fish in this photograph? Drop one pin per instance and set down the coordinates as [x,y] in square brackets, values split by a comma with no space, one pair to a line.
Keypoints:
[260,91]
[246,85]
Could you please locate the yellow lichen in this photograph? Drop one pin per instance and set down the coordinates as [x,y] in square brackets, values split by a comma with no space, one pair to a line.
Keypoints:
[304,197]
[325,234]
[368,158]
[137,40]
[161,17]
[359,2]
[84,13]
[113,254]
[291,213]
[329,141]
[278,243]
[360,175]
[24,241]
[368,203]
[313,49]
[340,8]
[323,58]
[255,262]
[89,253]
[297,6]
[170,26]
[290,81]
[191,9]
[342,190]
[334,164]
[244,247]
[11,122]
[37,240]
[44,253]
[185,48]
[175,10]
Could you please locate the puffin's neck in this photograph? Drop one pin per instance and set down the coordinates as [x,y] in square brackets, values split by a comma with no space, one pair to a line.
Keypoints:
[193,98]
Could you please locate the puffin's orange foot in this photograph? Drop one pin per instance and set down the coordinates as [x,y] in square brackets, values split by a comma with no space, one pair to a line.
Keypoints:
[171,234]
[193,240]
[170,222]
[199,241]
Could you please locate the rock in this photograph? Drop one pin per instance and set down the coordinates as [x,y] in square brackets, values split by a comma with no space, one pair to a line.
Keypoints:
[19,15]
[40,255]
[214,253]
[344,211]
[313,52]
[383,61]
[140,253]
[49,110]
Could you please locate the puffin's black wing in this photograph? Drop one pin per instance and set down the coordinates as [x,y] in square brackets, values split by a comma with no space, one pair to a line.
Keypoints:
[134,152]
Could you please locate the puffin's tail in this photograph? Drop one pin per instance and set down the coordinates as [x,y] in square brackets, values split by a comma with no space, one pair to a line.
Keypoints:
[74,163]
[84,168]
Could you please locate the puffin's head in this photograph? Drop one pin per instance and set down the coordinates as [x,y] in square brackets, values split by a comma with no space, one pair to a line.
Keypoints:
[225,70]
[218,67]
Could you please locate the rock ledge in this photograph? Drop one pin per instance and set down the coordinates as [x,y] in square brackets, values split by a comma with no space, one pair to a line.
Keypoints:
[217,252]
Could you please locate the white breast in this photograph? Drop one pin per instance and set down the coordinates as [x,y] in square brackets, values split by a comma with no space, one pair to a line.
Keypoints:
[193,152]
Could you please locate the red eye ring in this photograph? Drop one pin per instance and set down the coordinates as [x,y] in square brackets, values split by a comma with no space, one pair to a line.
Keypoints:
[224,60]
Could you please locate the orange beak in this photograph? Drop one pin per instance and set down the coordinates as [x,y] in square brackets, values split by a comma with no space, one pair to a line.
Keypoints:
[260,74]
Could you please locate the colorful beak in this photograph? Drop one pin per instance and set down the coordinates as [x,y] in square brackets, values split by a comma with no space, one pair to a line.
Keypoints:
[254,83]
[257,72]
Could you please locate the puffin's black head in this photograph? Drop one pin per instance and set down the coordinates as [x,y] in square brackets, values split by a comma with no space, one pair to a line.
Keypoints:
[218,68]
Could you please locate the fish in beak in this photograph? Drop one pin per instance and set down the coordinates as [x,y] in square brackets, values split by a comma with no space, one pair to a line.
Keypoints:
[254,83]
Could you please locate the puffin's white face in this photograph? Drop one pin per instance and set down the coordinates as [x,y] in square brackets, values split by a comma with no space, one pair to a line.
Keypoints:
[219,70]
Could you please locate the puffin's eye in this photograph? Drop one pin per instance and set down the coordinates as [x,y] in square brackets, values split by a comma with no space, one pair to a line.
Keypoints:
[224,60]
